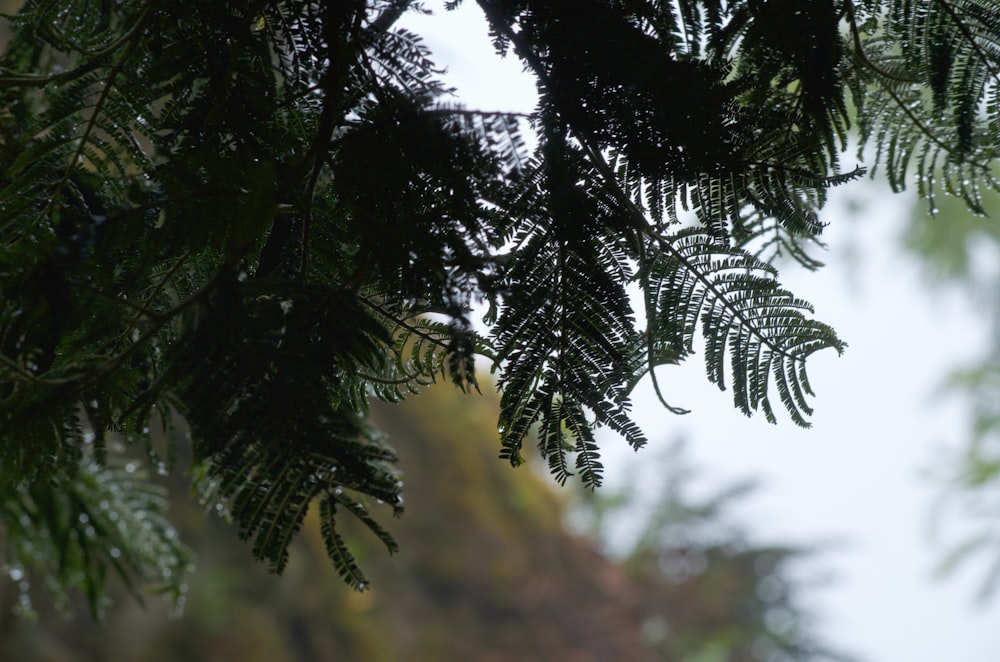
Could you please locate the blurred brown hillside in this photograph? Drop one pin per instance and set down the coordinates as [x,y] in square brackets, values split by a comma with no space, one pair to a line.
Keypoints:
[486,572]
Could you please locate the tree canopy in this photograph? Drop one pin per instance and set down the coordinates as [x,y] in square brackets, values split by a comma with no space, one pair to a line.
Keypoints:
[258,216]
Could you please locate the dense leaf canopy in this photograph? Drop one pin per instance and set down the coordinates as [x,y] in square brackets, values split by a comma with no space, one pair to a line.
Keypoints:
[258,215]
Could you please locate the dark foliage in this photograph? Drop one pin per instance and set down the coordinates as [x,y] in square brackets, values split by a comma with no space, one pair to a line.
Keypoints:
[258,215]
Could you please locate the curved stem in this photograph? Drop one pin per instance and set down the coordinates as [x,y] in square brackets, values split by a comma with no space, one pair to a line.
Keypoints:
[860,51]
[133,39]
[964,29]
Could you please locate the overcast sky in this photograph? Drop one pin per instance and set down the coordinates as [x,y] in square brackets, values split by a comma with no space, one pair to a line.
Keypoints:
[858,476]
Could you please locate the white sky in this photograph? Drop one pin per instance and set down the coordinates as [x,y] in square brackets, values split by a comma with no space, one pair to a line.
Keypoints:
[858,477]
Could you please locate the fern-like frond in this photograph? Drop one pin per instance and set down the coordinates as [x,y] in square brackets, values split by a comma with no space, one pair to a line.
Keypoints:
[259,368]
[400,59]
[563,349]
[932,69]
[70,528]
[424,351]
[754,330]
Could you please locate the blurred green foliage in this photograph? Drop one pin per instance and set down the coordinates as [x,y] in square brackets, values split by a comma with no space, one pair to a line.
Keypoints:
[960,253]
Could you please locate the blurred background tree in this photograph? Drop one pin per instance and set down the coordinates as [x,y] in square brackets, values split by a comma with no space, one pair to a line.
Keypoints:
[960,255]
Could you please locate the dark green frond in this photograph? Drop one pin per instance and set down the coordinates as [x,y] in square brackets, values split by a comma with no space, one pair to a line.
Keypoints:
[932,69]
[260,367]
[564,331]
[751,326]
[70,528]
